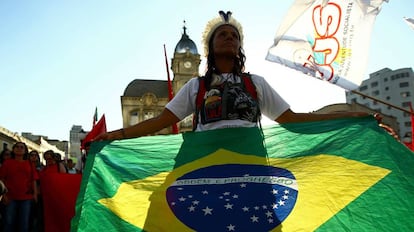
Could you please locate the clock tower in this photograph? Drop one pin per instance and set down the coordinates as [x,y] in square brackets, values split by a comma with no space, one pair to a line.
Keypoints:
[186,61]
[146,98]
[185,65]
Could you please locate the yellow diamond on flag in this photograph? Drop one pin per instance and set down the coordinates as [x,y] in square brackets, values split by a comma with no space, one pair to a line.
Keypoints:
[325,185]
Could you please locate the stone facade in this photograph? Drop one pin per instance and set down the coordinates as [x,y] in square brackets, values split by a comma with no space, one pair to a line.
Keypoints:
[144,99]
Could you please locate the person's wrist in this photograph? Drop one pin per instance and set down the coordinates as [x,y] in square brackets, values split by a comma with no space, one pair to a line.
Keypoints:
[123,133]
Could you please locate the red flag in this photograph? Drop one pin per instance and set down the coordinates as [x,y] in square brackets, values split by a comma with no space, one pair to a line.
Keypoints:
[170,90]
[98,129]
[59,193]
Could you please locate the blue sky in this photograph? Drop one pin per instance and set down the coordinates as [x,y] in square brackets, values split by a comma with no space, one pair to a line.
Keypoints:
[61,59]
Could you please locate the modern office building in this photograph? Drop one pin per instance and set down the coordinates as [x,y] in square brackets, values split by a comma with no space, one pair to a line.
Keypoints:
[393,93]
[76,135]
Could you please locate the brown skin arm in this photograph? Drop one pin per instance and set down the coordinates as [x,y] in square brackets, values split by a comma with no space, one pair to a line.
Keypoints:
[290,116]
[165,119]
[62,168]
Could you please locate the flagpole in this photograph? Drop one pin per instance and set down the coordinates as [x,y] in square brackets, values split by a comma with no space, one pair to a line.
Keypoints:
[170,90]
[411,112]
[95,117]
[383,102]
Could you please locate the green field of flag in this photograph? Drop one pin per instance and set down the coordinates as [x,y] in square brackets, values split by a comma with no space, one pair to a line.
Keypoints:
[337,175]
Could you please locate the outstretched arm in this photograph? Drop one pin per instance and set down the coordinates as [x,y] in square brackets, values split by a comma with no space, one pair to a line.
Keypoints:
[290,116]
[165,119]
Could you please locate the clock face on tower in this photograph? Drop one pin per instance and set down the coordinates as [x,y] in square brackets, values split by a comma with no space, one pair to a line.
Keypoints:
[187,64]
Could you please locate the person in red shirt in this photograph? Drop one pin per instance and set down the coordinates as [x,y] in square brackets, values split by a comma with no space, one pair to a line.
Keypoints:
[5,154]
[52,166]
[19,176]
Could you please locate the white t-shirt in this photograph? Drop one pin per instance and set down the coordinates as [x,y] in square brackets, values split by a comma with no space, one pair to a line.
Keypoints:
[271,103]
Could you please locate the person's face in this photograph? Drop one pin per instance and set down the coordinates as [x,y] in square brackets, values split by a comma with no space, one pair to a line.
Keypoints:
[48,156]
[70,164]
[226,41]
[7,155]
[33,156]
[19,149]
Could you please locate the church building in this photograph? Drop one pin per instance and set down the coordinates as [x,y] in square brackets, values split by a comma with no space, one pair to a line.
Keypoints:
[144,99]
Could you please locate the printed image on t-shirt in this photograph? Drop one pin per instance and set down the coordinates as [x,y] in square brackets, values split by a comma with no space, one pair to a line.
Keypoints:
[212,106]
[228,101]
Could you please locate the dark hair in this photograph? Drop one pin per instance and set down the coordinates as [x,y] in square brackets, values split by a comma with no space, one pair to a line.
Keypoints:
[36,153]
[57,157]
[3,153]
[26,150]
[239,61]
[51,152]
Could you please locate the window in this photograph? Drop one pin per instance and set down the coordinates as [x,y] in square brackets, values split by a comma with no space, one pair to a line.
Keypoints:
[407,124]
[404,84]
[374,84]
[148,115]
[133,118]
[386,79]
[387,88]
[405,94]
[388,98]
[362,88]
[375,93]
[406,104]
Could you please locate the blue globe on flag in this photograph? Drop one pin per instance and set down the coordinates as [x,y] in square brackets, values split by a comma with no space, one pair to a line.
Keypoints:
[233,197]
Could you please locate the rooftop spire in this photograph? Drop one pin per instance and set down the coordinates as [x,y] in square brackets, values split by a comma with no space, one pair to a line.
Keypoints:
[185,28]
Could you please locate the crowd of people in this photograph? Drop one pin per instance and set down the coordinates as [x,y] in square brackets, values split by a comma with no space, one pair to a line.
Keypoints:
[21,172]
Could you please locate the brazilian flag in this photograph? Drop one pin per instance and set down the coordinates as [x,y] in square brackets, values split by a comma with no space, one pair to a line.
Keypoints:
[336,175]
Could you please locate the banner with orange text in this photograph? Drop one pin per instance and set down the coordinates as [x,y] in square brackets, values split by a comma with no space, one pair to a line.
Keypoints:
[327,39]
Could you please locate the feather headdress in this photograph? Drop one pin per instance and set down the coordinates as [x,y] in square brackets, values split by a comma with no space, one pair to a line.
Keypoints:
[212,25]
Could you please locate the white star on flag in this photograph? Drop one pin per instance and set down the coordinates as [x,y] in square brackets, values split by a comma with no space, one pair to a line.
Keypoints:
[254,218]
[207,210]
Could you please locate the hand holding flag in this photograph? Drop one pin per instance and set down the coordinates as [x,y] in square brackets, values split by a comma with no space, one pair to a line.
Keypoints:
[97,129]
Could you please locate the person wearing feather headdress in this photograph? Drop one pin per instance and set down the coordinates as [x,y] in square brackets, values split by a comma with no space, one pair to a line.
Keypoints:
[226,96]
